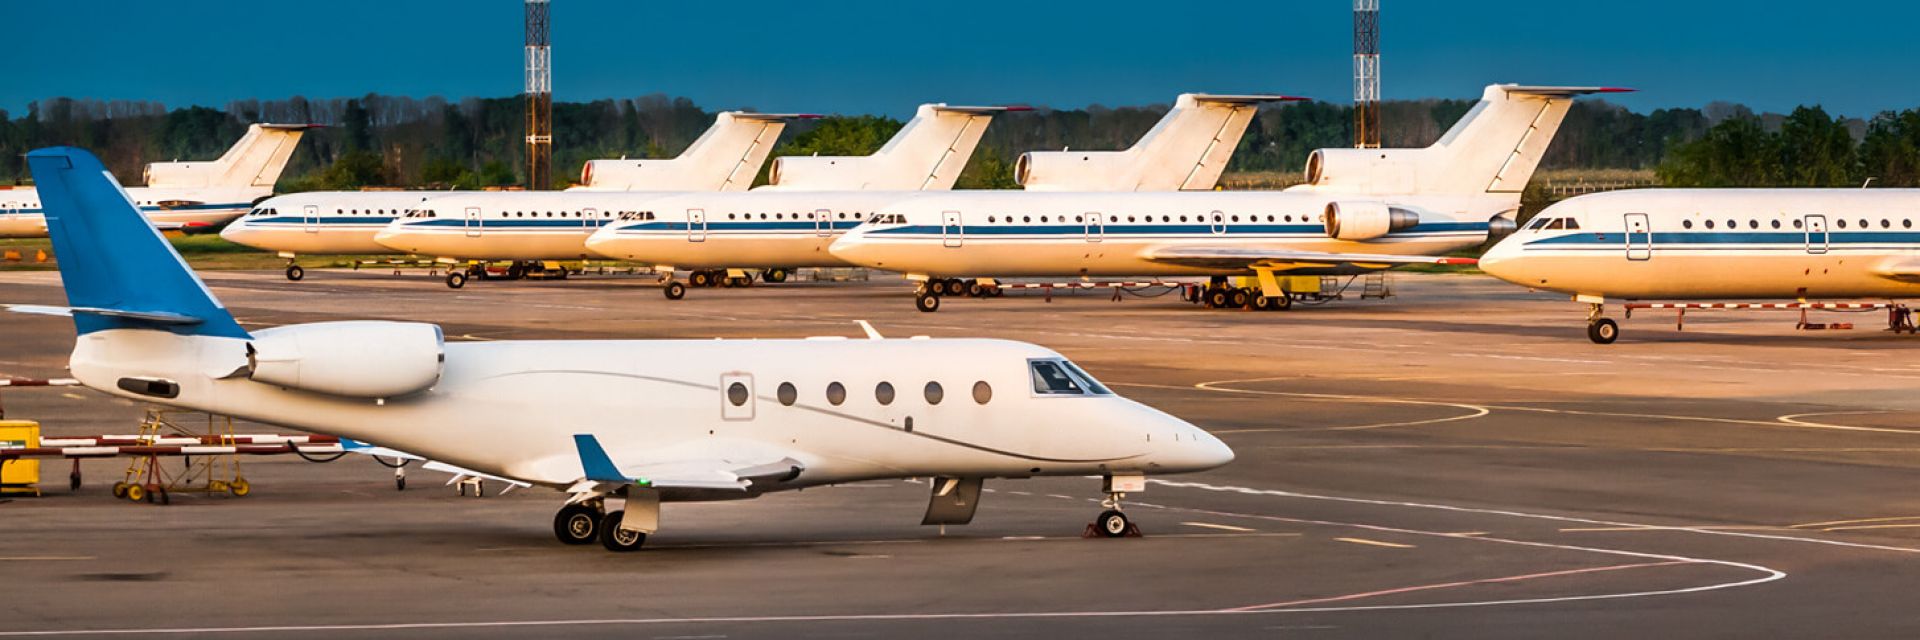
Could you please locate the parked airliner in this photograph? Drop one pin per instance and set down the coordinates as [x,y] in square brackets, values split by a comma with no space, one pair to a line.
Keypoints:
[733,238]
[1360,210]
[183,195]
[1717,244]
[725,157]
[619,425]
[927,153]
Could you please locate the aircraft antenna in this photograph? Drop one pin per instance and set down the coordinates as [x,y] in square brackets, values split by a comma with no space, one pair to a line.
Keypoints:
[1366,74]
[539,96]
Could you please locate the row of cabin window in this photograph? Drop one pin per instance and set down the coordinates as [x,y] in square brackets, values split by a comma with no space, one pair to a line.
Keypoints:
[793,216]
[1115,219]
[738,395]
[1840,223]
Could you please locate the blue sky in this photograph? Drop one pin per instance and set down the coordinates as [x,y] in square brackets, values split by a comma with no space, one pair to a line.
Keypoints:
[884,57]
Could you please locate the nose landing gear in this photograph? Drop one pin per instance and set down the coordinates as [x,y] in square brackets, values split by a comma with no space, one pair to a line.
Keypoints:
[1601,330]
[1113,522]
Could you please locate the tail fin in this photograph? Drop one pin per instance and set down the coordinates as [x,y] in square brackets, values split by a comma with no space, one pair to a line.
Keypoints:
[724,158]
[926,155]
[1187,150]
[119,273]
[255,161]
[1494,148]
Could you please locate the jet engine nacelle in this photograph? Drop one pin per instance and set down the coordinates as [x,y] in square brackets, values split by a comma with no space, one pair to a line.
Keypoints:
[1365,170]
[1365,220]
[359,359]
[1038,170]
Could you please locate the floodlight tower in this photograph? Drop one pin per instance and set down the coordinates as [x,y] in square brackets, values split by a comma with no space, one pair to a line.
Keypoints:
[1366,74]
[539,96]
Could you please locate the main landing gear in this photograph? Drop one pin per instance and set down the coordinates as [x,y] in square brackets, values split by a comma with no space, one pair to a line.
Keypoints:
[1219,295]
[927,296]
[1601,330]
[604,518]
[729,278]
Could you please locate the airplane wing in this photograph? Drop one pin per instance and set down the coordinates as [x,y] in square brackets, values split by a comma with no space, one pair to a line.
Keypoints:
[1899,270]
[1292,261]
[458,473]
[711,473]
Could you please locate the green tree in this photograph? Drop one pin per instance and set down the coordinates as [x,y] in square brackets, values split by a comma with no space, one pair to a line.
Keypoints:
[1738,152]
[355,169]
[1890,154]
[1816,150]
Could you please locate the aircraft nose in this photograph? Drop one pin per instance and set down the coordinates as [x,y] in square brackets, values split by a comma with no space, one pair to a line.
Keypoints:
[1499,261]
[851,246]
[234,230]
[1204,451]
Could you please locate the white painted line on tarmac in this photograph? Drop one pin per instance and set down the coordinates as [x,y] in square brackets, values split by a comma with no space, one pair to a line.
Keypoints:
[1375,543]
[1222,527]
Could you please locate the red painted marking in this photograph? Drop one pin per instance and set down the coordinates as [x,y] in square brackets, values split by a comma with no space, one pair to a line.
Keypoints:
[1465,583]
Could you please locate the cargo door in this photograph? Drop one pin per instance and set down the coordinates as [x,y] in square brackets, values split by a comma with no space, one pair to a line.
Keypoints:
[474,222]
[952,232]
[736,396]
[1639,237]
[696,225]
[1816,233]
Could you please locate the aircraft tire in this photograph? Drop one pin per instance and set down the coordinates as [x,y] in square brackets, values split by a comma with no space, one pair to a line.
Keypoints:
[1262,303]
[119,489]
[927,302]
[776,275]
[676,291]
[576,524]
[1603,331]
[295,273]
[134,493]
[700,279]
[1241,299]
[616,540]
[1112,524]
[1218,298]
[977,290]
[456,280]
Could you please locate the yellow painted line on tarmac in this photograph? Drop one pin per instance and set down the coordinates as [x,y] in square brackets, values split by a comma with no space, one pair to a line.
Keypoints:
[1222,527]
[1376,543]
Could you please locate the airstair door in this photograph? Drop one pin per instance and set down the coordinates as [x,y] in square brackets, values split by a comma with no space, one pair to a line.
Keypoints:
[1816,233]
[823,222]
[696,225]
[310,218]
[952,232]
[1639,237]
[736,396]
[474,222]
[1096,227]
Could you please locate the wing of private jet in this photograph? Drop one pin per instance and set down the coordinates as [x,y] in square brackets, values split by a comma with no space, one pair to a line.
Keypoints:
[458,473]
[729,473]
[1284,260]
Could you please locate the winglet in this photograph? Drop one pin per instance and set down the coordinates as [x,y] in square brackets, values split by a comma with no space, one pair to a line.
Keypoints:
[594,461]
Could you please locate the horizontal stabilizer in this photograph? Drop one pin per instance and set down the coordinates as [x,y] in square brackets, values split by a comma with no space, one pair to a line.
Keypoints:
[1563,92]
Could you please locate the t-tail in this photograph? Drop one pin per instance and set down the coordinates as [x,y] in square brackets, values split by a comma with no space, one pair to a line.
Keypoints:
[1186,150]
[254,162]
[724,158]
[926,155]
[1493,149]
[118,271]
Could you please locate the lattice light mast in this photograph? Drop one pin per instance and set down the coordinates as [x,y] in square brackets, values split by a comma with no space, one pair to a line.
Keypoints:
[539,96]
[1366,74]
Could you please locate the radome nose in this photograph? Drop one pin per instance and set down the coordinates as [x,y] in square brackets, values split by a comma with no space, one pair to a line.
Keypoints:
[1207,451]
[849,246]
[1498,261]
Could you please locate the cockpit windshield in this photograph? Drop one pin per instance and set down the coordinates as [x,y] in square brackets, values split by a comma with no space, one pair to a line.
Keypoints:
[1058,377]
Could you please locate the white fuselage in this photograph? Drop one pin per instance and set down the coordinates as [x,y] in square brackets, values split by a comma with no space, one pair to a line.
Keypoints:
[754,229]
[21,215]
[1720,244]
[325,223]
[1016,234]
[525,225]
[511,408]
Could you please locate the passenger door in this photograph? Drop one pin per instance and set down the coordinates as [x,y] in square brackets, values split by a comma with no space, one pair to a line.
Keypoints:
[736,396]
[1639,237]
[823,222]
[474,222]
[1096,227]
[952,232]
[696,225]
[310,218]
[1816,233]
[589,219]
[1219,223]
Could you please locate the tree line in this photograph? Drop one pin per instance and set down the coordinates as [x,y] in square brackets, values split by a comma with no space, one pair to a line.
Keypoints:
[391,141]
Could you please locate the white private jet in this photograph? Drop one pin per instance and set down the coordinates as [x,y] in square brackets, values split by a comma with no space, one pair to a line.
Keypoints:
[1717,244]
[185,196]
[1360,210]
[526,227]
[621,426]
[730,238]
[725,157]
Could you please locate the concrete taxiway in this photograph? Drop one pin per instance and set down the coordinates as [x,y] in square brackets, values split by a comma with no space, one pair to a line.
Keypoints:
[1456,461]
